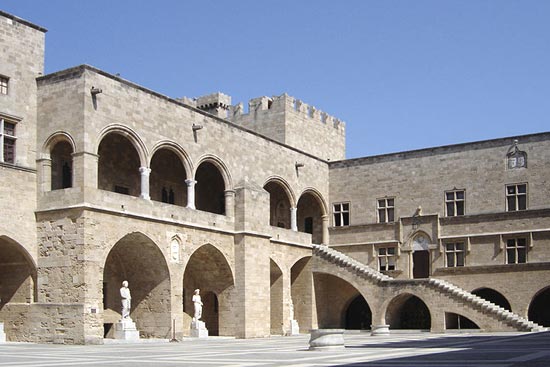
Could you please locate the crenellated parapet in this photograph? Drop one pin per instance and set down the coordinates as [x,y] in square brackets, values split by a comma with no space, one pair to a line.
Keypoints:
[283,118]
[284,103]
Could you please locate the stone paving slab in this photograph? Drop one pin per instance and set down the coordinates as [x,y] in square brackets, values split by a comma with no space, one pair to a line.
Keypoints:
[396,350]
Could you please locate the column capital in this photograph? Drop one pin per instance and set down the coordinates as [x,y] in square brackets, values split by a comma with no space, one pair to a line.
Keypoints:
[190,182]
[145,170]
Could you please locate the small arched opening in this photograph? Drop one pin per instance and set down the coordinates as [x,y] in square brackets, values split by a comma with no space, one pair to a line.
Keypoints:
[62,165]
[358,314]
[167,180]
[279,205]
[455,321]
[310,213]
[493,296]
[407,311]
[539,309]
[118,166]
[209,189]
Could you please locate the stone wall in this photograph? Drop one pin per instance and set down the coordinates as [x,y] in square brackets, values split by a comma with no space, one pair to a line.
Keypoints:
[420,178]
[21,60]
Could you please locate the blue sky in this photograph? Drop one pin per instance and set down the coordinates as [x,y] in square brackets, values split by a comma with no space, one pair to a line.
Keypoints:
[402,74]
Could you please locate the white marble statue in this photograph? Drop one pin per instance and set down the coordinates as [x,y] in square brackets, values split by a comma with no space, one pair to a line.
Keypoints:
[197,302]
[126,300]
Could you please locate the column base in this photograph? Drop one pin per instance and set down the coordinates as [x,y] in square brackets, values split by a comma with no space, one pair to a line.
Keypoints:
[380,330]
[198,329]
[126,330]
[2,334]
[326,339]
[294,328]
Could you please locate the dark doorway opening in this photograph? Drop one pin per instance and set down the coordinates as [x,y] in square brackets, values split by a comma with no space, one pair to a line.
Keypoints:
[539,310]
[493,296]
[421,264]
[358,315]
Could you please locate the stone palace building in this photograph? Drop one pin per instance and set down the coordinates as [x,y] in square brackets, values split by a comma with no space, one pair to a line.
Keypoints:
[104,180]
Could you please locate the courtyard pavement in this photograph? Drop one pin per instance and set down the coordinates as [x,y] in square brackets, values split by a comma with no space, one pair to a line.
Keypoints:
[401,349]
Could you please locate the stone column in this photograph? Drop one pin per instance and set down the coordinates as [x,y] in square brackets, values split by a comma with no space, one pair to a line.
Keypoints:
[144,172]
[190,193]
[230,203]
[294,219]
[324,239]
[45,170]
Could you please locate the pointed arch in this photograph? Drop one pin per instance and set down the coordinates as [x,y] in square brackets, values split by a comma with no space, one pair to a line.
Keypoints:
[177,149]
[170,168]
[212,182]
[312,215]
[129,134]
[334,296]
[220,165]
[208,270]
[318,196]
[136,258]
[18,273]
[539,307]
[408,311]
[55,138]
[285,186]
[281,202]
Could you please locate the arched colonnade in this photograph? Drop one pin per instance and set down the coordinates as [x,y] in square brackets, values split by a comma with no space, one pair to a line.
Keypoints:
[167,174]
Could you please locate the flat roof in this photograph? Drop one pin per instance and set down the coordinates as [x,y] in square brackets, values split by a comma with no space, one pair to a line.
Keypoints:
[22,21]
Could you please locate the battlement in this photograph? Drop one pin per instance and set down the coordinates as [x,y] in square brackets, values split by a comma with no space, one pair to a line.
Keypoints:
[283,118]
[284,103]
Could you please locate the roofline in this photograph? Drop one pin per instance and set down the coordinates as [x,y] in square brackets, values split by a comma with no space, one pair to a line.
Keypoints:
[23,21]
[77,70]
[442,149]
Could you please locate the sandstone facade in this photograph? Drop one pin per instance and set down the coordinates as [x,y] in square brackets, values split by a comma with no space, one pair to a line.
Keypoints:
[112,181]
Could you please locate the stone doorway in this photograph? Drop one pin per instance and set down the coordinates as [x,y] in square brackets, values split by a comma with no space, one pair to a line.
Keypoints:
[421,264]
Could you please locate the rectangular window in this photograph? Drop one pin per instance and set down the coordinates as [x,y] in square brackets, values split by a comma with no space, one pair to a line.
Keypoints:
[386,210]
[454,202]
[516,197]
[7,141]
[516,251]
[341,214]
[3,85]
[454,254]
[386,258]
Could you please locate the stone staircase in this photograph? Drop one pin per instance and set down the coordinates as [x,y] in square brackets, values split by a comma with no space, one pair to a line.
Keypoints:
[345,261]
[486,307]
[468,299]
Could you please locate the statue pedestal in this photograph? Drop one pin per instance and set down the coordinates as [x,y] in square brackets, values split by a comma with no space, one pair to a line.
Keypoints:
[294,328]
[125,329]
[2,334]
[198,329]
